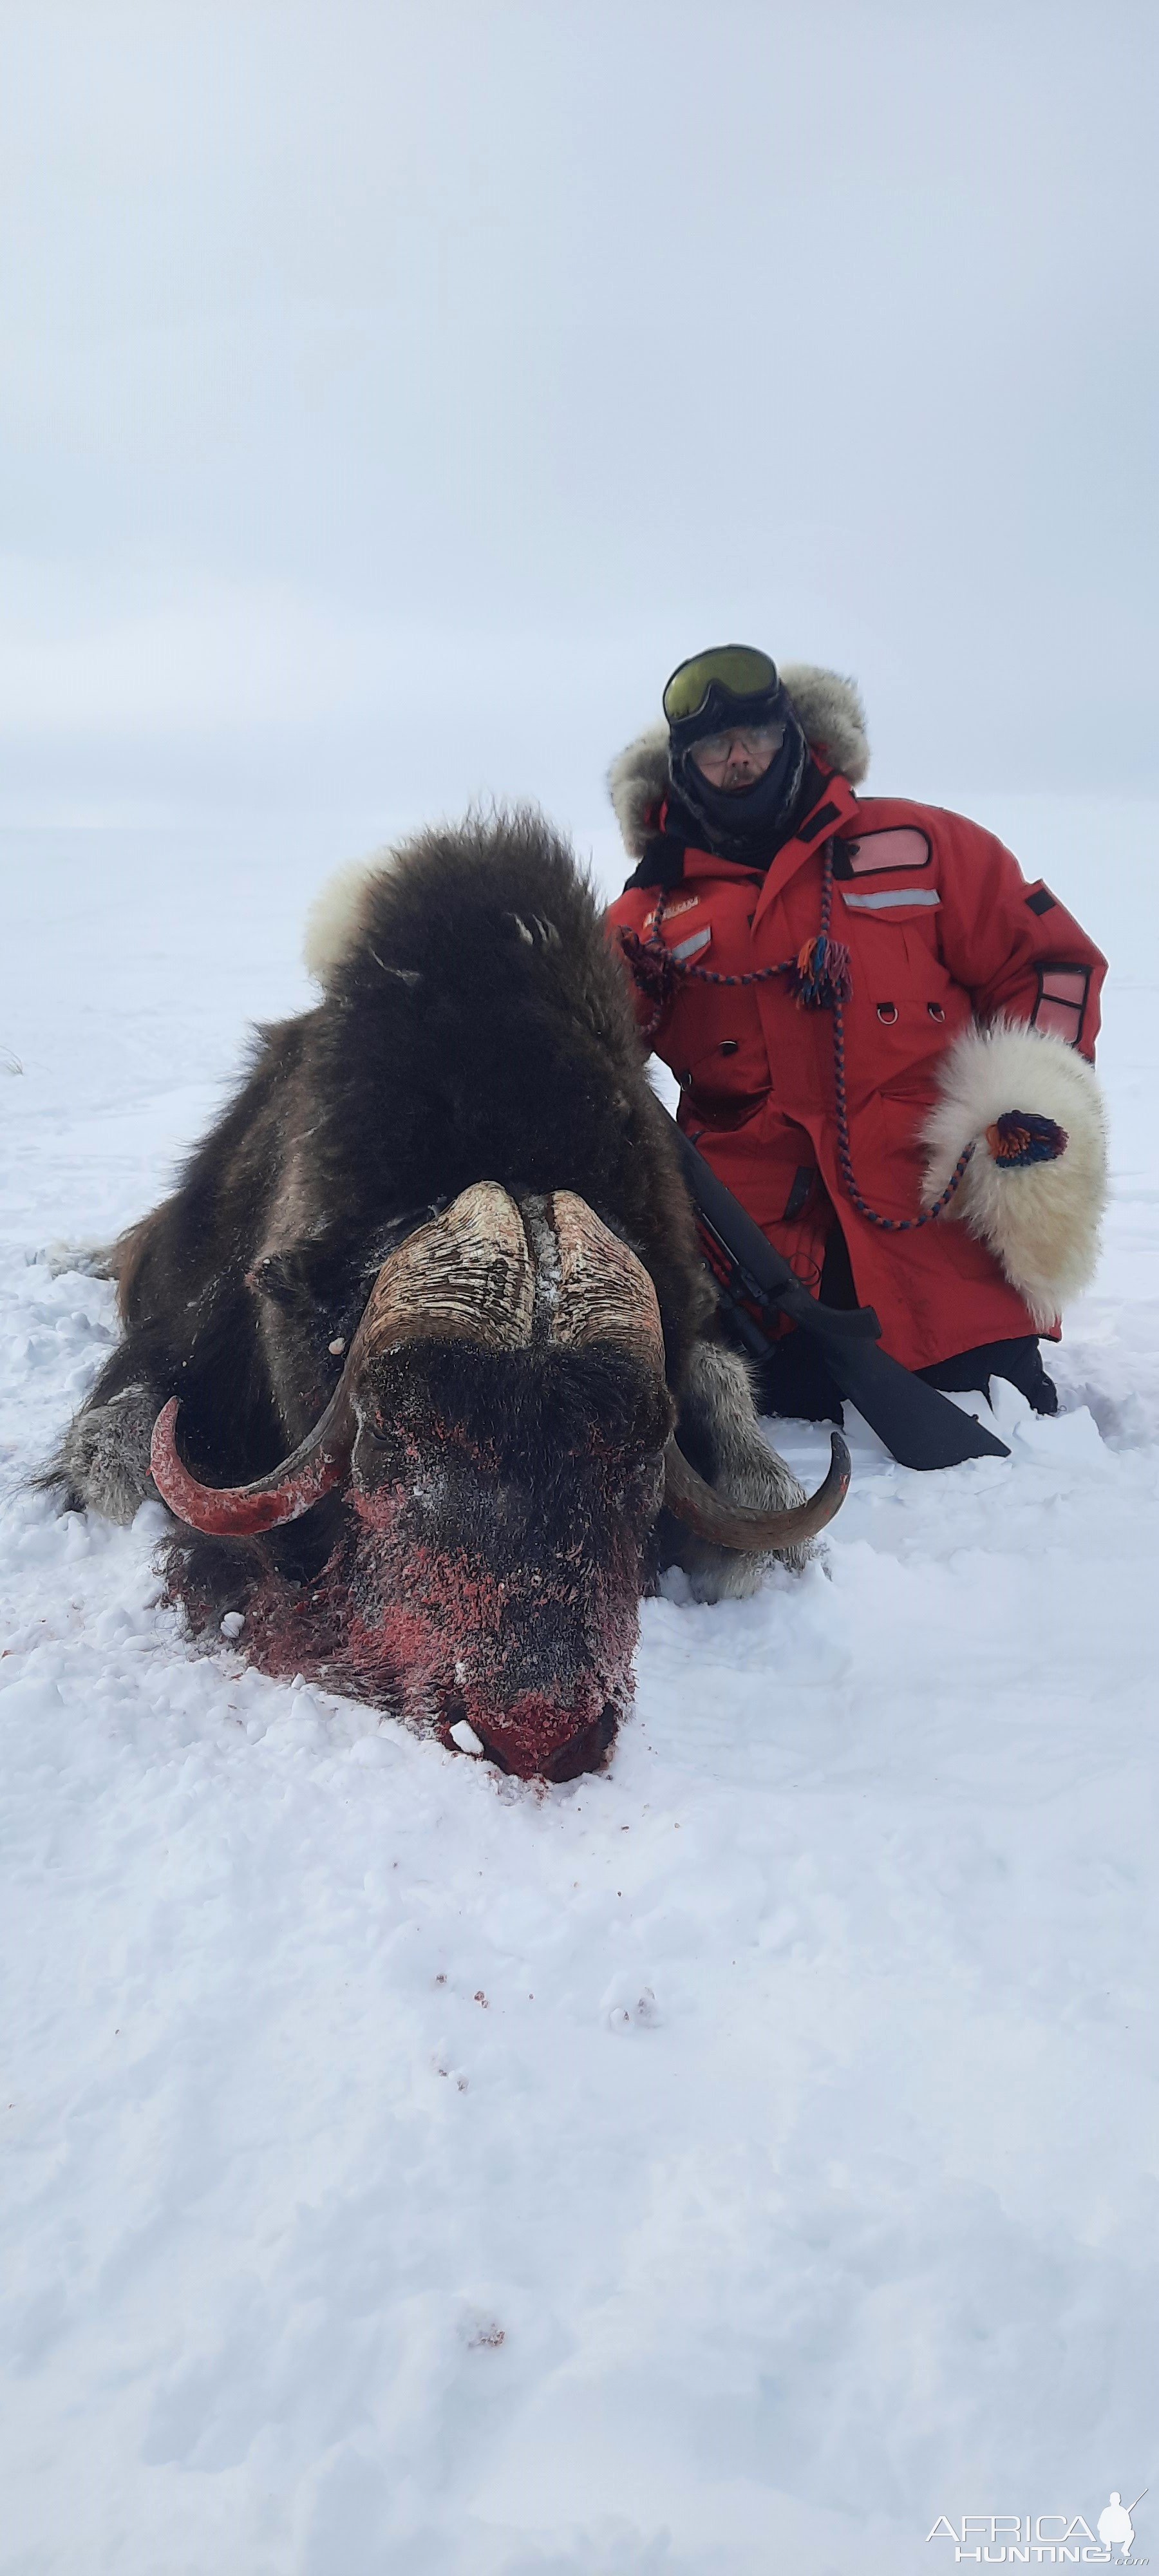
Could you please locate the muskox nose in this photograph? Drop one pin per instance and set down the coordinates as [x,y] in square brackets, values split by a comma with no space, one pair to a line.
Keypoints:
[541,1738]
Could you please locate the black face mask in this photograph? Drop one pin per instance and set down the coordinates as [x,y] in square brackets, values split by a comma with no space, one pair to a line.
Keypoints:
[744,822]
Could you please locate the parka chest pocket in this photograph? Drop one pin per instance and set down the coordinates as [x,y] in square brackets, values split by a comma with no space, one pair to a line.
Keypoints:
[905,1004]
[893,934]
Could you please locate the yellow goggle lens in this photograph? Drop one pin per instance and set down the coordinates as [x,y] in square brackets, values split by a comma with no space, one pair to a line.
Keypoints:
[739,668]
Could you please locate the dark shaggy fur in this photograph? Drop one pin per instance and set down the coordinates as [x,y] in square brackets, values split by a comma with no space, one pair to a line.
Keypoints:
[479,1028]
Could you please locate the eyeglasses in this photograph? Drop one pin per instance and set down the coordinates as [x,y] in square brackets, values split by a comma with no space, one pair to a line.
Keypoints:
[739,668]
[759,742]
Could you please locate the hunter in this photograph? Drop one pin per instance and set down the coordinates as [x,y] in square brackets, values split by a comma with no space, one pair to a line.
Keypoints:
[881,1032]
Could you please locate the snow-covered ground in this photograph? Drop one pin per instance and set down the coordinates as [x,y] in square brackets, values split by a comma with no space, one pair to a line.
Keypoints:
[723,2167]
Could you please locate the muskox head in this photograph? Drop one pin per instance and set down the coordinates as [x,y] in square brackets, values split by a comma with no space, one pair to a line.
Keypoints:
[504,1432]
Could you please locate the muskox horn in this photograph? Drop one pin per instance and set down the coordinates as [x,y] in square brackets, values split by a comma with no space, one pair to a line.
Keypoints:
[241,1511]
[467,1276]
[740,1525]
[604,1294]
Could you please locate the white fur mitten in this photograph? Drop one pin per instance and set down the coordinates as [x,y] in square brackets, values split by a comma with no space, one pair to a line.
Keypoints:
[1036,1184]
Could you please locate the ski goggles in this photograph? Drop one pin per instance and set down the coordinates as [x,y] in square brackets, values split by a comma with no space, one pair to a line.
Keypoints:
[737,668]
[759,741]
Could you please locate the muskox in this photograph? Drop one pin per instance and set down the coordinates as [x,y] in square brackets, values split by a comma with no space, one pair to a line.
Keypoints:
[420,1353]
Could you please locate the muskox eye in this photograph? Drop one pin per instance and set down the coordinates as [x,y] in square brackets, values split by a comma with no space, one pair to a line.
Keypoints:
[379,1456]
[376,1433]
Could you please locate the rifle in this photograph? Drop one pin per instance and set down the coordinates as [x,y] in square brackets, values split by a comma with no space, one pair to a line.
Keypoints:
[919,1426]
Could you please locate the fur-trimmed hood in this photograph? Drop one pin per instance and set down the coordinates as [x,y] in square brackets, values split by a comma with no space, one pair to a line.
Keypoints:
[831,714]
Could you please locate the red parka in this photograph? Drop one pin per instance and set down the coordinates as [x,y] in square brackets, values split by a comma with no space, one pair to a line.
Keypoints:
[942,929]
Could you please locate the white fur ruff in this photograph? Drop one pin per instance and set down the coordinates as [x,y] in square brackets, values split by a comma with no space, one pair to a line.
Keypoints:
[336,915]
[1041,1221]
[832,715]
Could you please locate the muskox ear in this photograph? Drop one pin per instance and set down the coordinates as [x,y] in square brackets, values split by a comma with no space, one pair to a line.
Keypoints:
[298,1277]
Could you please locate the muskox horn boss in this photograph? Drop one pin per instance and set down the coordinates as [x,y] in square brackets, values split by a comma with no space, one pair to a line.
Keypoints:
[600,1292]
[467,1276]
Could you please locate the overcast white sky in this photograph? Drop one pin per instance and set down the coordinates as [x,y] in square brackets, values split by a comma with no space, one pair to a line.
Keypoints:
[393,393]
